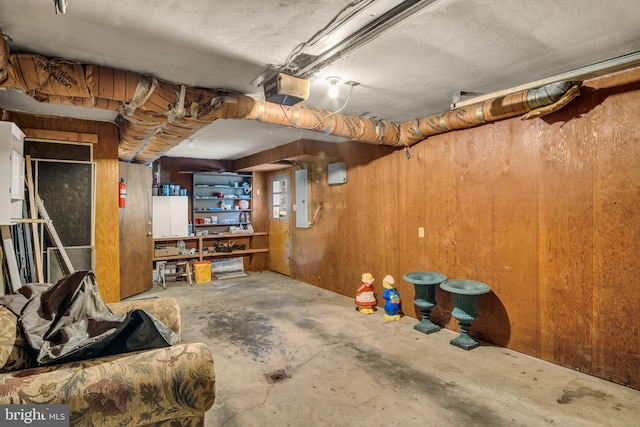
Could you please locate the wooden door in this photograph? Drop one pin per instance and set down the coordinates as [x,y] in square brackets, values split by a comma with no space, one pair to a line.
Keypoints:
[280,208]
[136,242]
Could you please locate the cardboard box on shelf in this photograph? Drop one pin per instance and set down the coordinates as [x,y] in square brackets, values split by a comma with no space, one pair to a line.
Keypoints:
[166,251]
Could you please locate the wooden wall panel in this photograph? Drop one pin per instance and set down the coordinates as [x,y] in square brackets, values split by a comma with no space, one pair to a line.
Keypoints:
[313,248]
[344,235]
[616,237]
[412,208]
[260,201]
[474,222]
[307,258]
[512,268]
[544,211]
[260,220]
[441,214]
[388,169]
[328,237]
[474,204]
[353,256]
[566,243]
[411,188]
[369,238]
[377,210]
[107,218]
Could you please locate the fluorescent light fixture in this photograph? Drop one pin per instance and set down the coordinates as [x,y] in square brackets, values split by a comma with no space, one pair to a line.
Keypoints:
[364,23]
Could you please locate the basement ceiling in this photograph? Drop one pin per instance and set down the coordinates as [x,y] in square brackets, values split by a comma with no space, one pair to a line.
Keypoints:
[431,51]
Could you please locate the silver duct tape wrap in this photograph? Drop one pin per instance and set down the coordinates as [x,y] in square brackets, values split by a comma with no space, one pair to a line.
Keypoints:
[548,94]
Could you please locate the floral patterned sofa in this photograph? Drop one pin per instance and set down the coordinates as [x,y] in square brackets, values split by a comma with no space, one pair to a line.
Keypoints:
[159,387]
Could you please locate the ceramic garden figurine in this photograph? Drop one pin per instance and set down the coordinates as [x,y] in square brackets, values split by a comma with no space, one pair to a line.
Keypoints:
[366,295]
[392,296]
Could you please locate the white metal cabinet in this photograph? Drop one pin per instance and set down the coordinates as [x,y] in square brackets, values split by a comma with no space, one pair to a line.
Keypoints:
[11,172]
[170,216]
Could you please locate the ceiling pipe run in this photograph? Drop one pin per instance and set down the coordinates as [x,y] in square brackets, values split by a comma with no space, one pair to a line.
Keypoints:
[155,116]
[4,57]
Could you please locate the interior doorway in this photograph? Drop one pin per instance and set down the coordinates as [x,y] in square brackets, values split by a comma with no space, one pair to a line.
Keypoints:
[136,241]
[279,217]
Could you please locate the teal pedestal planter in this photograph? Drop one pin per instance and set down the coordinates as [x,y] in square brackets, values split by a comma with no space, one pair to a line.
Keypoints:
[465,298]
[425,285]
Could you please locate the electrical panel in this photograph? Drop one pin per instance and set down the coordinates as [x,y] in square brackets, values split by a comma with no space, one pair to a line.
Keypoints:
[302,199]
[337,173]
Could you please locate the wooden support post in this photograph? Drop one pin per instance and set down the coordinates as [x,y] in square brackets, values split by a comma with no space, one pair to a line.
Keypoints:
[34,216]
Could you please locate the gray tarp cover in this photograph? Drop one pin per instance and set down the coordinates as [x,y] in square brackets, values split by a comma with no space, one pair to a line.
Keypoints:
[69,321]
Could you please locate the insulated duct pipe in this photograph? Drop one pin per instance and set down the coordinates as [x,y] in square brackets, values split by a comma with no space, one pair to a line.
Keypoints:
[155,116]
[4,57]
[489,111]
[411,132]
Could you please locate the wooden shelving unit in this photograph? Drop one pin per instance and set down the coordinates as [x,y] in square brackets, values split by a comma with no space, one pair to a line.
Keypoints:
[199,243]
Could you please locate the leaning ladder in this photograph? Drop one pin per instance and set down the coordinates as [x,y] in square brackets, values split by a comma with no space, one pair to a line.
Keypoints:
[54,235]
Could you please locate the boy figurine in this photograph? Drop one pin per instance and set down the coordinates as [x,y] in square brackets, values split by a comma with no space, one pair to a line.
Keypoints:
[365,295]
[391,294]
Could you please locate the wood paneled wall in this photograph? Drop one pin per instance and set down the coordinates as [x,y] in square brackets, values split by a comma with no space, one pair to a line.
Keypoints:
[260,221]
[105,155]
[546,212]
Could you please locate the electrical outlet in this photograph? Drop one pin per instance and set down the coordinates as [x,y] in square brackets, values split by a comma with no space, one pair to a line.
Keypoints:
[420,231]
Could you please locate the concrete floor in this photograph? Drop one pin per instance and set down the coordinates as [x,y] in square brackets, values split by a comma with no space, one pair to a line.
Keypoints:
[291,354]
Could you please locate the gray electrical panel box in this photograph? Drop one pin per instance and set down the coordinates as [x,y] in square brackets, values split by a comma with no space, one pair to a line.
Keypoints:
[302,199]
[337,173]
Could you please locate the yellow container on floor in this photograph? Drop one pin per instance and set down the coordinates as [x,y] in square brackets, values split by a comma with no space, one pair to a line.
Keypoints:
[202,271]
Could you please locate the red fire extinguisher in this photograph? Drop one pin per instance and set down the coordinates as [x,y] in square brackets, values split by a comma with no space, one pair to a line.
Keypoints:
[122,190]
